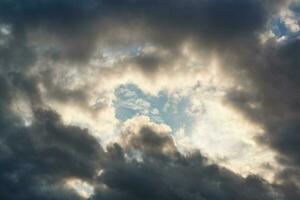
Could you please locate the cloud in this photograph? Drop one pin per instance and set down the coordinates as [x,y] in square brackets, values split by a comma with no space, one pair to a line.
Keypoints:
[154,140]
[51,55]
[70,29]
[270,97]
[164,173]
[37,160]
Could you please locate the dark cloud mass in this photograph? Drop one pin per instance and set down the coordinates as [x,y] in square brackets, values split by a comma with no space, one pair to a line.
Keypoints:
[38,158]
[75,25]
[274,89]
[160,174]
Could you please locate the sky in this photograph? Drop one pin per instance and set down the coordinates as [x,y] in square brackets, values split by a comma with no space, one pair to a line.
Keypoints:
[150,99]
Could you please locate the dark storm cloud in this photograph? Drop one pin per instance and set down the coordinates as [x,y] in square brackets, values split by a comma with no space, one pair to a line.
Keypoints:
[14,52]
[174,21]
[36,160]
[174,177]
[70,30]
[76,24]
[153,144]
[68,20]
[273,76]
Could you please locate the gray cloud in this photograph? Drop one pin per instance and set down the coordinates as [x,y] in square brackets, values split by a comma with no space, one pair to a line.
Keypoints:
[272,87]
[174,177]
[76,24]
[36,159]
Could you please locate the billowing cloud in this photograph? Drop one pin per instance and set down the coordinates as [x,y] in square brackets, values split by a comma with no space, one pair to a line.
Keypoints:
[62,63]
[153,168]
[273,96]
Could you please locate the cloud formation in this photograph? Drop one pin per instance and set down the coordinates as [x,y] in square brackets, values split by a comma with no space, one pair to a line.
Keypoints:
[58,55]
[156,170]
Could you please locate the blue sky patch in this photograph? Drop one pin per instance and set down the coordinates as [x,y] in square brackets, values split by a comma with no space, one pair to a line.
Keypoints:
[164,108]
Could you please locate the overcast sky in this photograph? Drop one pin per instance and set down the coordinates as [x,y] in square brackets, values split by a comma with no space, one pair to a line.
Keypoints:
[150,99]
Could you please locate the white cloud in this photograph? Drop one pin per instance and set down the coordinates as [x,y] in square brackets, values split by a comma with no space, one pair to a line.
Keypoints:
[290,20]
[84,189]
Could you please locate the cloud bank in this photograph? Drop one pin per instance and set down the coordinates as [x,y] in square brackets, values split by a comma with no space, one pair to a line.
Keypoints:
[61,61]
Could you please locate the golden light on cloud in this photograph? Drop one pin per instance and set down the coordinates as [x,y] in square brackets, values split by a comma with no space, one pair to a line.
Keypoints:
[84,189]
[223,133]
[219,131]
[100,123]
[149,99]
[228,138]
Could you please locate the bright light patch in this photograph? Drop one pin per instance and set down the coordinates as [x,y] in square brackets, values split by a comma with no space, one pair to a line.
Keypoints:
[200,120]
[225,135]
[190,102]
[84,189]
[22,108]
[5,34]
[100,123]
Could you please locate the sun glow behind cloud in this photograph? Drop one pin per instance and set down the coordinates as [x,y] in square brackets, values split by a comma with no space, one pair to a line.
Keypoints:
[152,99]
[84,189]
[227,137]
[192,104]
[195,111]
